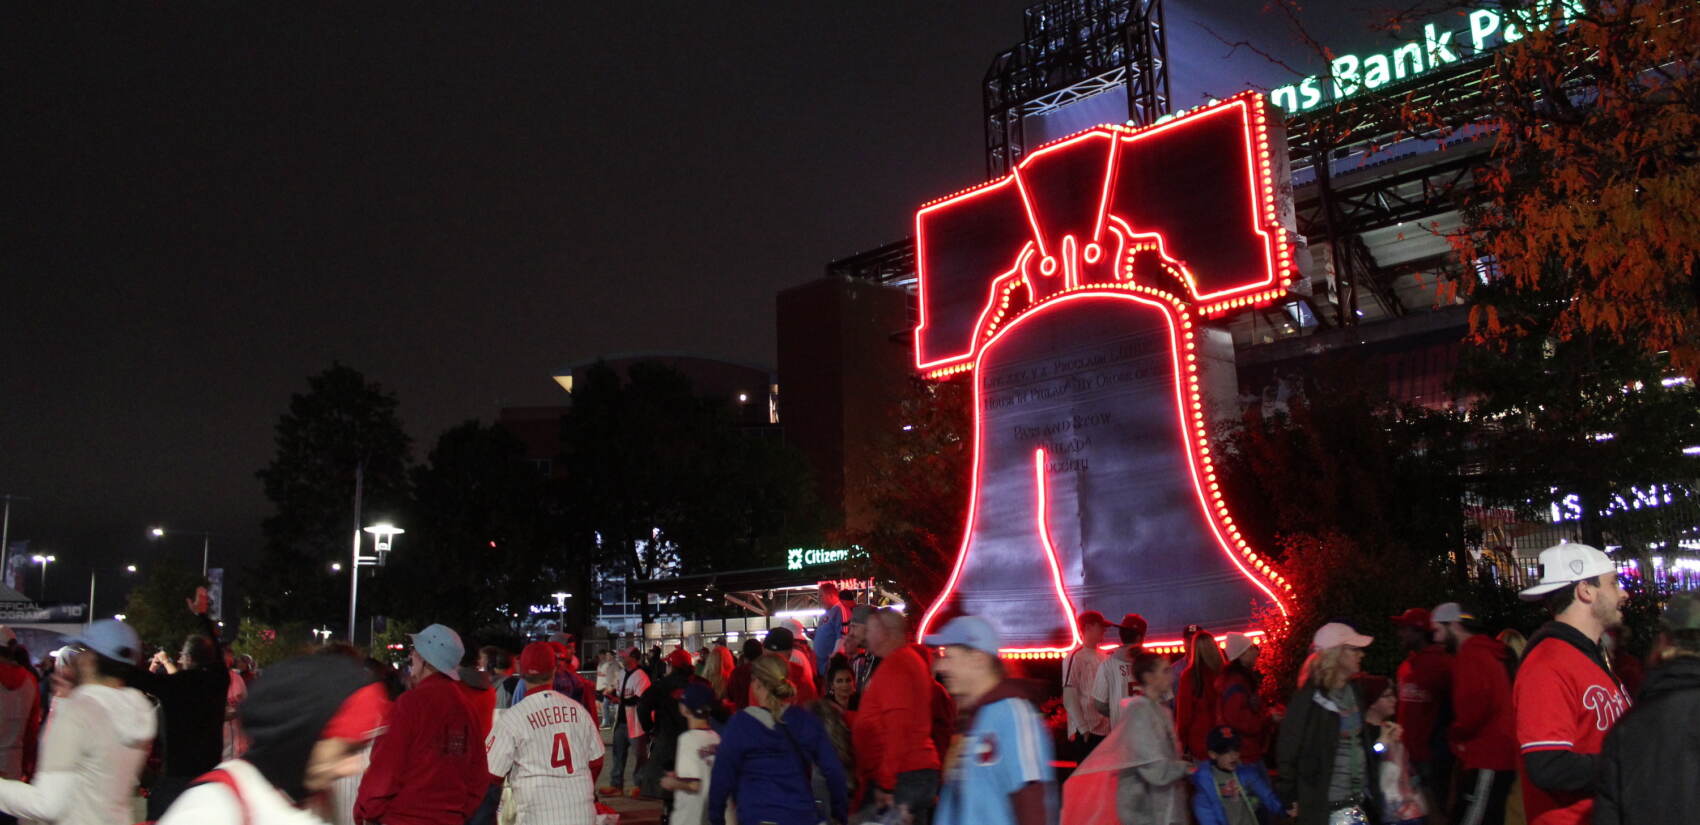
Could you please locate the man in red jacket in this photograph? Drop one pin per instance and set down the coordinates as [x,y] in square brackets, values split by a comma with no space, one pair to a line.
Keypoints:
[1566,697]
[1425,692]
[428,768]
[894,746]
[1482,734]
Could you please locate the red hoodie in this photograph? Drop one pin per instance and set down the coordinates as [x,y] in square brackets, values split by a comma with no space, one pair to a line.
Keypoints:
[1239,707]
[894,721]
[1483,732]
[1425,679]
[21,704]
[1195,710]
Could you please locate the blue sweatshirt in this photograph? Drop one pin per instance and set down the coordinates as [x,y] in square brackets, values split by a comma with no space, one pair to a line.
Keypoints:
[767,772]
[1207,801]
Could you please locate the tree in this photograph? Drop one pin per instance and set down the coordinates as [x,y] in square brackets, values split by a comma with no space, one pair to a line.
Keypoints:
[1589,196]
[660,481]
[157,610]
[481,545]
[919,477]
[342,424]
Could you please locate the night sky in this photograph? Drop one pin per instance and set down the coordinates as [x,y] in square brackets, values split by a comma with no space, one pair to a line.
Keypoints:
[209,202]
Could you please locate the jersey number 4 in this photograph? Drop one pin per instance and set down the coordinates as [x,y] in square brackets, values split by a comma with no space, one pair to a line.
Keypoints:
[561,755]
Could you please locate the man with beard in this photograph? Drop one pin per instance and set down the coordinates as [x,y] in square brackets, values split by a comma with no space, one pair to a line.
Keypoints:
[1566,697]
[1481,733]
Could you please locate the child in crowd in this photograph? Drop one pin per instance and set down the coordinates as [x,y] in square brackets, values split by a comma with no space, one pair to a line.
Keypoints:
[1229,792]
[694,762]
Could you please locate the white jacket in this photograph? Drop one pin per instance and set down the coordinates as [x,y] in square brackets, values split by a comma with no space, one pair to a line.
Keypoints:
[212,803]
[91,755]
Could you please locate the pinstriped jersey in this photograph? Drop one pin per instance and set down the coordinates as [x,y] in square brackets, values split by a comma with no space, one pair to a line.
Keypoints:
[544,746]
[1007,747]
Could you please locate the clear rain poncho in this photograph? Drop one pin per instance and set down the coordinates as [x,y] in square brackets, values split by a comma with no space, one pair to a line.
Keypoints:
[1136,776]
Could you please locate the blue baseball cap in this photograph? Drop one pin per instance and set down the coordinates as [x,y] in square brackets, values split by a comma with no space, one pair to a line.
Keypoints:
[441,648]
[967,631]
[113,639]
[696,696]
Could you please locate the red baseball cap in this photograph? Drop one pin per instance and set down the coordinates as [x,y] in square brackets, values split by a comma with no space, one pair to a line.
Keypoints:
[1414,617]
[679,658]
[537,658]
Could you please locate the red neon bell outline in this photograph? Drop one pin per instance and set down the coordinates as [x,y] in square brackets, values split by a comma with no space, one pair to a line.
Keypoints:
[1278,261]
[1199,463]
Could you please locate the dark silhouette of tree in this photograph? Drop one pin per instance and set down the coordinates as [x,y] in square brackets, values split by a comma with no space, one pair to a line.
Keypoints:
[481,545]
[343,422]
[919,482]
[156,608]
[661,481]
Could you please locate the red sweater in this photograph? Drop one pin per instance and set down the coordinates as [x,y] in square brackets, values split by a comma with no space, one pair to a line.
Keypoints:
[1195,711]
[1425,680]
[895,719]
[427,769]
[1483,732]
[1239,707]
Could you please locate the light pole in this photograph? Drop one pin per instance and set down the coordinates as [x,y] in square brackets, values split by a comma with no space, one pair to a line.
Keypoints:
[383,535]
[89,618]
[206,543]
[6,532]
[44,561]
[561,604]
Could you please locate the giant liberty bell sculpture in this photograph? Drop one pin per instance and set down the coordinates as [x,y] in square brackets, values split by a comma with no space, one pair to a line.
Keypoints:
[1076,289]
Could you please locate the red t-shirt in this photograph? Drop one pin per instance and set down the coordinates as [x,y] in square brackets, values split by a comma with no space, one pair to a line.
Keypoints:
[1425,682]
[1563,701]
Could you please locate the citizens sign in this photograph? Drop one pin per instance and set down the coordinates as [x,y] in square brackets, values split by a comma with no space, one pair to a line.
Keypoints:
[1076,288]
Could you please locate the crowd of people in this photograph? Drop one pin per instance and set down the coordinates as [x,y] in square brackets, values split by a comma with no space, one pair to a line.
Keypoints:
[859,723]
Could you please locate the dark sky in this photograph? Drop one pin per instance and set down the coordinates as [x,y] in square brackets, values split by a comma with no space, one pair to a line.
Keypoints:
[207,203]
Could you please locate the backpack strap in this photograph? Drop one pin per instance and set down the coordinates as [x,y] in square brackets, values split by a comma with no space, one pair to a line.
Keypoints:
[220,776]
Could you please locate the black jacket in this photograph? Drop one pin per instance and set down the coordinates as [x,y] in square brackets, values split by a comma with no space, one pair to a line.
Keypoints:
[1650,765]
[192,702]
[1305,759]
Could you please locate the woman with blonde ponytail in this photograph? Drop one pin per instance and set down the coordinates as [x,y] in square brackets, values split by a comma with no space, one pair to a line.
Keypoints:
[770,754]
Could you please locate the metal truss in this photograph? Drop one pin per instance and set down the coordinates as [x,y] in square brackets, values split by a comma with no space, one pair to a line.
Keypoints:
[1075,49]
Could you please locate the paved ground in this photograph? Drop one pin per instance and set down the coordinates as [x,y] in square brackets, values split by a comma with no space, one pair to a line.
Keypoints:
[632,811]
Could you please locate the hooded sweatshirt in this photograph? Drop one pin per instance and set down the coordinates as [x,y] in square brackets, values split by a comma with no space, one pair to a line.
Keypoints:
[91,755]
[1566,699]
[1652,745]
[1483,733]
[284,716]
[20,719]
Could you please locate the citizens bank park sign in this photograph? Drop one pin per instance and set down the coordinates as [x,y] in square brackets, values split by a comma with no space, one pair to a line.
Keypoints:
[1483,30]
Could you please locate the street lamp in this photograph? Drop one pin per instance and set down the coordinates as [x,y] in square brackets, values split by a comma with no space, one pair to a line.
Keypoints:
[89,617]
[44,561]
[206,543]
[383,535]
[561,603]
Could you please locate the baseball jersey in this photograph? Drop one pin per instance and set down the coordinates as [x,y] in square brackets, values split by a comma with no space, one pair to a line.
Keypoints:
[632,685]
[1006,747]
[694,760]
[1563,700]
[544,746]
[1079,672]
[1114,682]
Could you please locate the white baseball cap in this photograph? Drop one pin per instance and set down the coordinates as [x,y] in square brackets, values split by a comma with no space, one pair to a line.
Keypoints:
[1567,563]
[1449,612]
[1235,644]
[1335,634]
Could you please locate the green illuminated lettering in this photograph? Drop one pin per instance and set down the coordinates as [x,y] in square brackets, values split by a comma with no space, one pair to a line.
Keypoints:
[1412,53]
[1344,71]
[1482,24]
[1439,46]
[1376,71]
[1311,95]
[1287,97]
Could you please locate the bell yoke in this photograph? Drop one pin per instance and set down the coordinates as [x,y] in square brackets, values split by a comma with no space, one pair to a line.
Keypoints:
[1075,289]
